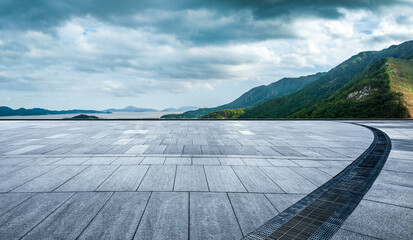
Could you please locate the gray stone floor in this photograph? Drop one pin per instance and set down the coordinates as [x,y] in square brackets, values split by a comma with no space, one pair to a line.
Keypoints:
[185,179]
[386,212]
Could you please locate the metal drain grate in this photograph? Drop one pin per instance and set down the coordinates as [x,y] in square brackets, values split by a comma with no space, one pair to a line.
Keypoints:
[320,214]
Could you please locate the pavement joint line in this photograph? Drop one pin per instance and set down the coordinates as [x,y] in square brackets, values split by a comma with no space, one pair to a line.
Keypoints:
[32,179]
[333,201]
[143,213]
[97,213]
[48,215]
[235,215]
[70,178]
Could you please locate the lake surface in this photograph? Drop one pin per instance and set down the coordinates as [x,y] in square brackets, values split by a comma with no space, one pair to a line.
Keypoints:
[115,115]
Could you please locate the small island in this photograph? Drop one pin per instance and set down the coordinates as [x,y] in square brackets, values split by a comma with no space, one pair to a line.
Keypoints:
[83,116]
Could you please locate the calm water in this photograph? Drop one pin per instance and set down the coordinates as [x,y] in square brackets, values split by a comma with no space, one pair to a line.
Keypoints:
[116,115]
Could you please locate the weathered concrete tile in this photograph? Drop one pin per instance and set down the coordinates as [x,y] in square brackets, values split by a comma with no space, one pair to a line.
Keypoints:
[282,162]
[229,150]
[399,165]
[267,151]
[50,180]
[116,220]
[212,217]
[174,149]
[71,161]
[125,178]
[255,180]
[192,150]
[15,161]
[90,179]
[70,219]
[127,160]
[256,162]
[252,210]
[165,217]
[231,161]
[158,178]
[119,149]
[347,235]
[11,200]
[309,163]
[391,194]
[199,141]
[4,170]
[314,175]
[137,149]
[288,180]
[24,149]
[248,150]
[223,179]
[376,216]
[155,149]
[190,178]
[307,152]
[284,201]
[15,179]
[286,151]
[205,161]
[99,160]
[153,160]
[178,160]
[17,222]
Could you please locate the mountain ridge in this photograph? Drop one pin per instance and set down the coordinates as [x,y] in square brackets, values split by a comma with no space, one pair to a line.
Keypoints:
[255,95]
[326,86]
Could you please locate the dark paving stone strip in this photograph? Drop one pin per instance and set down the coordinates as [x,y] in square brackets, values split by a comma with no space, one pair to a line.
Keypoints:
[321,213]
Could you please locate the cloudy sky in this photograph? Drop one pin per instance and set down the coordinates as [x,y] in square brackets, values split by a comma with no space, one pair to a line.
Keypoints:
[97,54]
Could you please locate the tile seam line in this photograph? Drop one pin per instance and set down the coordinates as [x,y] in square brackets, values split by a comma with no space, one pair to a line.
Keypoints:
[73,194]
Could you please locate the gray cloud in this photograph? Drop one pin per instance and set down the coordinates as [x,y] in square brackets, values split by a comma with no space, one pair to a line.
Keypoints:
[197,21]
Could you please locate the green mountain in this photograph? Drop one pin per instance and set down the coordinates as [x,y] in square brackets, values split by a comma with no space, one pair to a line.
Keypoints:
[255,96]
[385,90]
[327,85]
[225,114]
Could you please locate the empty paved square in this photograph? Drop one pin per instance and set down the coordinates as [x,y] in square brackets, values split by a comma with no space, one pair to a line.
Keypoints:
[179,179]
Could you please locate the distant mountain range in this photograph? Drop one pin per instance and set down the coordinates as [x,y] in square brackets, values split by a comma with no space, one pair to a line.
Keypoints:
[371,84]
[6,111]
[255,96]
[135,109]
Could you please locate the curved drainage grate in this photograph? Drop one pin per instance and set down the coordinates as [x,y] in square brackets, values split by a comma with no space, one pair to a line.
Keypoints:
[320,214]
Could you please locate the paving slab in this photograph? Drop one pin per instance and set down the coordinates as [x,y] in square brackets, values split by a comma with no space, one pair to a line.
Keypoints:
[252,210]
[165,217]
[51,180]
[223,179]
[283,201]
[10,200]
[373,219]
[88,180]
[125,178]
[288,180]
[71,218]
[190,178]
[159,178]
[254,180]
[212,217]
[119,218]
[23,218]
[17,178]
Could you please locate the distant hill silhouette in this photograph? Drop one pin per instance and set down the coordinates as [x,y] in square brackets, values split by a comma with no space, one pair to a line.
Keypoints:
[6,111]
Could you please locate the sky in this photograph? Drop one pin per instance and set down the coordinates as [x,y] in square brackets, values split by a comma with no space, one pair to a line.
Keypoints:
[98,54]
